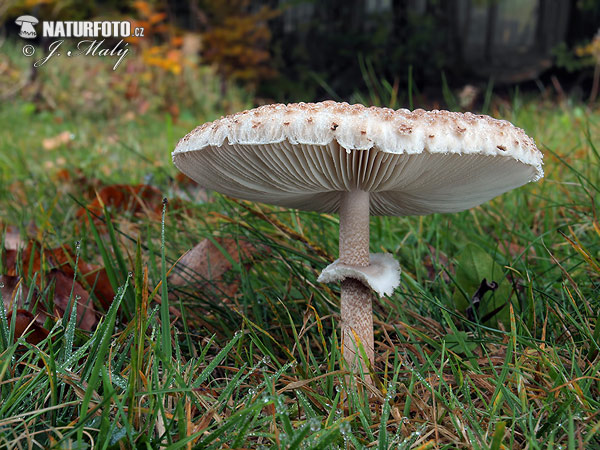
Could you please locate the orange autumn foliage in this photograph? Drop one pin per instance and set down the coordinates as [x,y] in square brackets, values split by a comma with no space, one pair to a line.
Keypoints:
[237,40]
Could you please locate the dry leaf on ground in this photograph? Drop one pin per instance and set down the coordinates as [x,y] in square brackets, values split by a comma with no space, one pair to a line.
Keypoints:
[63,258]
[60,260]
[27,323]
[140,198]
[63,285]
[15,292]
[95,276]
[204,267]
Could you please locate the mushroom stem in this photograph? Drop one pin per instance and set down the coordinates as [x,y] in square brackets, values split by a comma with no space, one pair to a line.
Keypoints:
[356,298]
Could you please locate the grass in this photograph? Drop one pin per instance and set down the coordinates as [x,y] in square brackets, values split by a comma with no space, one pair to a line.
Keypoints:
[260,367]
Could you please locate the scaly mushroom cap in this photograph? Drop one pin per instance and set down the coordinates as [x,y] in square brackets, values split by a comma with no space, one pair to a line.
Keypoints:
[413,163]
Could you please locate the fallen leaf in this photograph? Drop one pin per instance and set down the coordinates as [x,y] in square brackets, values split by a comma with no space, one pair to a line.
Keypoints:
[139,198]
[205,266]
[74,181]
[26,323]
[56,141]
[15,293]
[31,258]
[64,286]
[183,180]
[94,277]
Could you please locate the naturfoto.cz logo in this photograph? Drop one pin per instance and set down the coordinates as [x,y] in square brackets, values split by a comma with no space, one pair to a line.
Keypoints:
[89,29]
[92,33]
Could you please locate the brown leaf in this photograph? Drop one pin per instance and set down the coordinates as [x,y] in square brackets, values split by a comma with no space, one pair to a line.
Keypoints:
[139,198]
[182,179]
[63,284]
[204,267]
[74,181]
[31,257]
[95,276]
[62,258]
[25,323]
[10,260]
[15,293]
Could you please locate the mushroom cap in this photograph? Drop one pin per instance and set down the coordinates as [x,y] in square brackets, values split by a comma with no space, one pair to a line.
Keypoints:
[29,19]
[304,155]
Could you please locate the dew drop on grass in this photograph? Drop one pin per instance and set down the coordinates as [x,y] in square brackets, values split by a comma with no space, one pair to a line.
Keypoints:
[130,274]
[78,245]
[1,285]
[282,436]
[314,424]
[345,428]
[266,360]
[338,388]
[237,333]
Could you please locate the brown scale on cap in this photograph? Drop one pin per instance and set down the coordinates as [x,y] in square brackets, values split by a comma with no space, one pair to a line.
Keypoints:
[411,139]
[405,121]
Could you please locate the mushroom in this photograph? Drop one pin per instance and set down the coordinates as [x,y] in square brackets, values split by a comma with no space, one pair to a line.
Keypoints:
[358,161]
[26,23]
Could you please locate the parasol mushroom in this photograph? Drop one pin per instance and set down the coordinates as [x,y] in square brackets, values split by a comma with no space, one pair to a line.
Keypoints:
[358,161]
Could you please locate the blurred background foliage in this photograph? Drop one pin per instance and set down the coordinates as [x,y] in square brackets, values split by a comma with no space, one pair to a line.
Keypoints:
[304,50]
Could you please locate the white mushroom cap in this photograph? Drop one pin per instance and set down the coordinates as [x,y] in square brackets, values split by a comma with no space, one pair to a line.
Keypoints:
[27,19]
[412,163]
